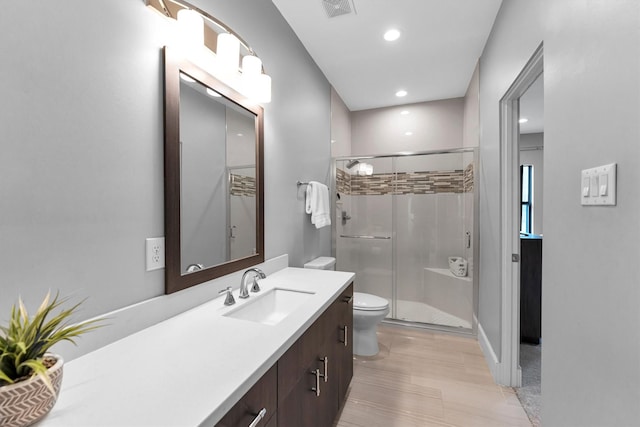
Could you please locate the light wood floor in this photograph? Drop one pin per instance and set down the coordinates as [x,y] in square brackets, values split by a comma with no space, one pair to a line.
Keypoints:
[421,378]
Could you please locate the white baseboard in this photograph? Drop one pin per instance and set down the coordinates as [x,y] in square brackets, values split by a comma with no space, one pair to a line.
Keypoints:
[499,371]
[489,354]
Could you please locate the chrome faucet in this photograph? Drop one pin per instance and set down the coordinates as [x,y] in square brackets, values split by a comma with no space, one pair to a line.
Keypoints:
[194,267]
[244,292]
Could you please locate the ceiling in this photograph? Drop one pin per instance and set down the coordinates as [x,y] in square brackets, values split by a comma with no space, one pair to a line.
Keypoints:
[434,58]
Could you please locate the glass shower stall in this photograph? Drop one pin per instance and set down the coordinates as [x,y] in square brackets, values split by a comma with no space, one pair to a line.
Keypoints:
[406,225]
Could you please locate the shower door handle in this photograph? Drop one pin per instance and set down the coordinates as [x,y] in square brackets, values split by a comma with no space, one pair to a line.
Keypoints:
[361,236]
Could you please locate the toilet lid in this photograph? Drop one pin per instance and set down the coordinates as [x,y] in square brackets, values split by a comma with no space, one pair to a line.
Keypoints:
[362,301]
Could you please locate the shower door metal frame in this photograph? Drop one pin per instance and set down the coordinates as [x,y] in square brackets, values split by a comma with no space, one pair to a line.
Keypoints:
[476,235]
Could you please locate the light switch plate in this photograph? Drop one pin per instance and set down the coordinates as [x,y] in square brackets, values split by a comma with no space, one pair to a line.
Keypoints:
[602,183]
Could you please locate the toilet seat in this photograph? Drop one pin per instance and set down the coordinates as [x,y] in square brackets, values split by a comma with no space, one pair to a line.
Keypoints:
[368,302]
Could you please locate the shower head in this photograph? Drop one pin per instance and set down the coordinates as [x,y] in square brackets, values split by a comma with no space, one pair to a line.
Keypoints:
[352,163]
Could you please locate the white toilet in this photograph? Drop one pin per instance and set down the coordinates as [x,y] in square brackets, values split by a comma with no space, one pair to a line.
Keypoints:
[368,312]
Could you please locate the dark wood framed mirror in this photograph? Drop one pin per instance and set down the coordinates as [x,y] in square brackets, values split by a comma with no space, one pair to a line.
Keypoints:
[213,171]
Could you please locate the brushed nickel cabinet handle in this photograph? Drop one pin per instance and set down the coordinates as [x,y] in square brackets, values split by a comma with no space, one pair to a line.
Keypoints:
[258,417]
[317,387]
[325,360]
[346,335]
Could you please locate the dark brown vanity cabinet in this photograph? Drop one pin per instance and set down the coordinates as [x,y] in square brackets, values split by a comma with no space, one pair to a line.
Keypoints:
[263,395]
[314,374]
[531,289]
[309,383]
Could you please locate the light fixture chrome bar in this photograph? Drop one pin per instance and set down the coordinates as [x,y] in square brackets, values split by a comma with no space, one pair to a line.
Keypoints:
[217,23]
[164,8]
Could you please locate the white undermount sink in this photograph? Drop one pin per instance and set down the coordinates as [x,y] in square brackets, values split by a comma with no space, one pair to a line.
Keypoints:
[271,306]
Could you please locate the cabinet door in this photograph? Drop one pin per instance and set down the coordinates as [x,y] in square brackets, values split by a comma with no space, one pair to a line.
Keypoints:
[344,350]
[301,407]
[262,395]
[295,364]
[303,370]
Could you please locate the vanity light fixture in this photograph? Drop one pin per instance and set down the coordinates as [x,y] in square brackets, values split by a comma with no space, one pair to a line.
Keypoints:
[195,37]
[404,112]
[401,93]
[190,29]
[365,169]
[256,84]
[228,52]
[392,35]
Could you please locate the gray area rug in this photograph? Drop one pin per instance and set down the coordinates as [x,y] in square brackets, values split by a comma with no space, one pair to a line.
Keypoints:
[529,393]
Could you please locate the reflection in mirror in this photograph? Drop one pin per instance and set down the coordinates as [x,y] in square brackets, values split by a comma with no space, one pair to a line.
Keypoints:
[217,199]
[213,168]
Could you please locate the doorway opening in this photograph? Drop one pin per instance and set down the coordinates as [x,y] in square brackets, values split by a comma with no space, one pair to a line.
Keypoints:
[531,149]
[512,208]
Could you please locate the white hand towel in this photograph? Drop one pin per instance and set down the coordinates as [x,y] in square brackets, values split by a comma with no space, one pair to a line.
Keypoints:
[318,204]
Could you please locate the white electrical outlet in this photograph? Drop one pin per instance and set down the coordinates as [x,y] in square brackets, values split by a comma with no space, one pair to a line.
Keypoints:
[155,253]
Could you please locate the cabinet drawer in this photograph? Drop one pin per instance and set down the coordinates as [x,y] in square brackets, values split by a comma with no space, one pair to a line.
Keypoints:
[264,394]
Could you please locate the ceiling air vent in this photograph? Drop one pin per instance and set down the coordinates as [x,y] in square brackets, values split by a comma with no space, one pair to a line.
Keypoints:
[336,7]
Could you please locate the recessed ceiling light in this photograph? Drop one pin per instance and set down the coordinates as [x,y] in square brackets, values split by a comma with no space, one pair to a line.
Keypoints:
[404,112]
[408,133]
[392,35]
[239,134]
[401,93]
[523,120]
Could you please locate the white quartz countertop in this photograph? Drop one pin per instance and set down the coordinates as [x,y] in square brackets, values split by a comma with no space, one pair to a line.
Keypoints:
[192,368]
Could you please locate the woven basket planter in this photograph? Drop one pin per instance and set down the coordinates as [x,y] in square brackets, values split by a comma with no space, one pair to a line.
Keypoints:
[25,402]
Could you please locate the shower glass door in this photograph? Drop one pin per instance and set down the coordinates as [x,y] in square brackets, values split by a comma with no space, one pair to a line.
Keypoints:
[434,224]
[405,226]
[364,224]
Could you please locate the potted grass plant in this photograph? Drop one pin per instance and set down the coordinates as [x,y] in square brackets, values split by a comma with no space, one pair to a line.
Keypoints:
[30,376]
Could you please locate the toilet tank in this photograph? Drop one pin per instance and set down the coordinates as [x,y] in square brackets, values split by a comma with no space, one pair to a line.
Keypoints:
[322,263]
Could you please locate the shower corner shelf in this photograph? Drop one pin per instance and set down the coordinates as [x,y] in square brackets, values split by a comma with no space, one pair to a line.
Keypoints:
[448,273]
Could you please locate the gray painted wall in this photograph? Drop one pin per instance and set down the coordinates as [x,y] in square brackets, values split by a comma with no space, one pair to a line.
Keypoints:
[591,293]
[471,127]
[340,126]
[516,34]
[81,171]
[590,370]
[435,125]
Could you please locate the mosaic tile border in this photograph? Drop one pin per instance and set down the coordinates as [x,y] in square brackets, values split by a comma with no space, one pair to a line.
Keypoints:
[427,182]
[243,185]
